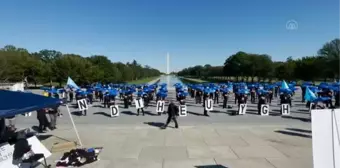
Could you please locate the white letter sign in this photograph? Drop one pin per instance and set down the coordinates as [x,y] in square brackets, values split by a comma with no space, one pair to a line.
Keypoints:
[160,107]
[326,132]
[242,109]
[264,109]
[139,103]
[209,106]
[82,104]
[182,110]
[114,110]
[285,109]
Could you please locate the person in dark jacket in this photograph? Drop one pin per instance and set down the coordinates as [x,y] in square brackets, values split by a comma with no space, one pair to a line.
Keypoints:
[198,97]
[106,100]
[126,101]
[172,113]
[43,122]
[53,117]
[216,96]
[252,95]
[262,100]
[2,129]
[21,146]
[71,95]
[225,99]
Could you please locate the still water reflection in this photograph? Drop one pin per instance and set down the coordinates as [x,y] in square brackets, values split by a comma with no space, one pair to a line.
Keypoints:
[170,80]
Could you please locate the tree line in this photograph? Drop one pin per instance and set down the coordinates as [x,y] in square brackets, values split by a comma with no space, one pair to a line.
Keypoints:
[49,66]
[244,66]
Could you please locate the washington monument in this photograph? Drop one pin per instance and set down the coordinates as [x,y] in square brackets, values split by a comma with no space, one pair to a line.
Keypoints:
[167,64]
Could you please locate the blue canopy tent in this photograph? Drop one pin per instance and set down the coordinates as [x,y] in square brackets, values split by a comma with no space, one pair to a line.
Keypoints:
[13,103]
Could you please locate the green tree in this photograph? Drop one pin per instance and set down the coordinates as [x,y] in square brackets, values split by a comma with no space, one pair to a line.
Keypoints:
[331,51]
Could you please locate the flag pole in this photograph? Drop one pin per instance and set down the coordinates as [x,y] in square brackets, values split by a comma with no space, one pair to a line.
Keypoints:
[74,126]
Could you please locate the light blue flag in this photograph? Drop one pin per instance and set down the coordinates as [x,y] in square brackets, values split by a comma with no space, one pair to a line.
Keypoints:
[71,83]
[284,85]
[309,95]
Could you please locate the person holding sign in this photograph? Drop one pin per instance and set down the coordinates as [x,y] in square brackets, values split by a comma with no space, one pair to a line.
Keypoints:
[181,98]
[285,98]
[172,113]
[146,99]
[107,100]
[225,98]
[205,97]
[270,96]
[216,96]
[198,96]
[139,101]
[252,95]
[262,100]
[126,101]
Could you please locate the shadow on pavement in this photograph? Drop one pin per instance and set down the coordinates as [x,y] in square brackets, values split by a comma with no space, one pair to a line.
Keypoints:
[43,137]
[293,134]
[102,113]
[77,113]
[35,128]
[196,114]
[299,130]
[297,118]
[128,113]
[211,166]
[215,111]
[275,114]
[304,110]
[102,106]
[155,124]
[150,113]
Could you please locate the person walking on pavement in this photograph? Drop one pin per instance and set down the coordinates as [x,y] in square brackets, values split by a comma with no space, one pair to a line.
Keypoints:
[172,113]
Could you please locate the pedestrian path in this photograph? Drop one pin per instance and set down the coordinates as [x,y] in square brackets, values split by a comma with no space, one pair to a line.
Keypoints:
[237,146]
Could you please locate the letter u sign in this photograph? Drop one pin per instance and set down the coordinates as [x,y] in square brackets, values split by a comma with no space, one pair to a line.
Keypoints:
[209,106]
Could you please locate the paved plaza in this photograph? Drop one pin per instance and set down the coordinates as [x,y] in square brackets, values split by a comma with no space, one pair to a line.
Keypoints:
[221,140]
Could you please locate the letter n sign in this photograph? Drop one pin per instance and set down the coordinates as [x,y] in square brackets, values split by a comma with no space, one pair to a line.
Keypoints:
[114,110]
[264,109]
[182,110]
[82,104]
[209,106]
[285,109]
[160,107]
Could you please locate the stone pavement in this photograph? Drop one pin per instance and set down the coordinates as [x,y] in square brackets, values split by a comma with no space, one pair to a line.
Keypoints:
[130,141]
[231,146]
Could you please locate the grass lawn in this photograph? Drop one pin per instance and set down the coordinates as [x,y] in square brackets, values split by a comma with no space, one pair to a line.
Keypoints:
[224,79]
[192,80]
[143,81]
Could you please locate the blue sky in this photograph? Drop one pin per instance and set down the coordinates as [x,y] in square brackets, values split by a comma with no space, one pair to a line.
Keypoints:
[192,31]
